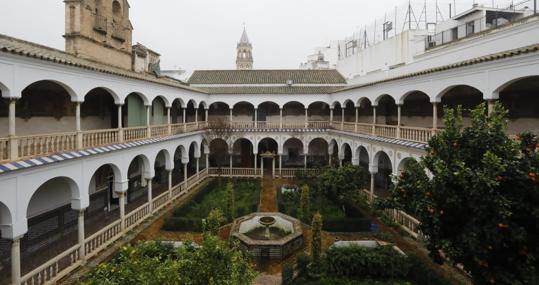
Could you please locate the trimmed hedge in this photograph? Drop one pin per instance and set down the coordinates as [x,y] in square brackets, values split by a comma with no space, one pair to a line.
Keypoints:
[183,224]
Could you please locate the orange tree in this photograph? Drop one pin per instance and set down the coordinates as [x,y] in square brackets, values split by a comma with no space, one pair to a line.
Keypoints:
[480,205]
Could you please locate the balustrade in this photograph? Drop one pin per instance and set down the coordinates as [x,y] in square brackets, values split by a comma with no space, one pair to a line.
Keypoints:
[385,131]
[415,134]
[54,269]
[159,131]
[318,124]
[35,145]
[136,133]
[99,137]
[103,238]
[363,128]
[4,149]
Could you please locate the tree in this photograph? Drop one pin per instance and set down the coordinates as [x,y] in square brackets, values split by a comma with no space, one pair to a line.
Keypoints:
[305,204]
[316,242]
[230,201]
[481,207]
[339,184]
[212,223]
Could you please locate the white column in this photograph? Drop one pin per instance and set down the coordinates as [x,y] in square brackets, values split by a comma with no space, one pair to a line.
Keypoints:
[207,161]
[261,166]
[357,119]
[206,115]
[305,161]
[280,118]
[121,201]
[331,116]
[13,142]
[306,118]
[434,116]
[371,193]
[256,162]
[80,228]
[16,261]
[196,117]
[231,115]
[280,166]
[148,124]
[256,118]
[230,162]
[273,167]
[184,120]
[399,121]
[490,106]
[77,125]
[198,167]
[185,175]
[342,118]
[373,120]
[169,183]
[120,124]
[169,121]
[150,194]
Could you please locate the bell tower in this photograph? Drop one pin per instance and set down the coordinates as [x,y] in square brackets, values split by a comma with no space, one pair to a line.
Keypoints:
[244,59]
[99,30]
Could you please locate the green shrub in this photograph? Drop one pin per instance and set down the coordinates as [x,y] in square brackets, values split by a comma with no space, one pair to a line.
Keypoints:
[347,225]
[361,262]
[302,264]
[287,274]
[422,275]
[182,224]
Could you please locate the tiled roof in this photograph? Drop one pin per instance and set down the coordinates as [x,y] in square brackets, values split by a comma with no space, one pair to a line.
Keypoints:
[28,49]
[260,76]
[477,60]
[271,90]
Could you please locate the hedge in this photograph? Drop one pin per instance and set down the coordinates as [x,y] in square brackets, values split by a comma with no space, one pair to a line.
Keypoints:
[183,224]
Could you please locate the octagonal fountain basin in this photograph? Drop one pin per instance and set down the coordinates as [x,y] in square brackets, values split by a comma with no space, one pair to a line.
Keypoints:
[268,235]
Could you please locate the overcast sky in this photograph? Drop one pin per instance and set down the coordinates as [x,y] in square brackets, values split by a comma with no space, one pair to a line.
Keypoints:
[202,34]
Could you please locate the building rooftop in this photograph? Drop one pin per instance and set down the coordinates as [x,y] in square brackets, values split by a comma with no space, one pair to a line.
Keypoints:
[260,76]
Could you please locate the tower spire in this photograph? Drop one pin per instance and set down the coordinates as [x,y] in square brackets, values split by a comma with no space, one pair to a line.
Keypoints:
[244,59]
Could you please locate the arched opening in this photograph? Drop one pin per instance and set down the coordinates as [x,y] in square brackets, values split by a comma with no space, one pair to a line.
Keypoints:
[386,112]
[204,151]
[333,150]
[268,115]
[45,107]
[201,114]
[98,111]
[176,112]
[363,157]
[317,153]
[382,179]
[191,111]
[403,165]
[5,243]
[104,202]
[192,164]
[134,111]
[293,153]
[349,111]
[347,154]
[138,185]
[318,112]
[242,154]
[177,172]
[521,99]
[365,111]
[116,9]
[219,112]
[159,112]
[416,110]
[52,223]
[160,179]
[219,156]
[266,148]
[243,113]
[462,95]
[293,115]
[337,113]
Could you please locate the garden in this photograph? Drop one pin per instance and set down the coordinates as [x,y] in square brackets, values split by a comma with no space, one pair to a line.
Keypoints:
[234,197]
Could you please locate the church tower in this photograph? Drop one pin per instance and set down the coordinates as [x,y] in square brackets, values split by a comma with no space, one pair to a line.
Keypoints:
[99,30]
[244,59]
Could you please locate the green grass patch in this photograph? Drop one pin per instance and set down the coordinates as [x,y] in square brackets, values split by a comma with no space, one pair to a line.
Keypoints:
[213,196]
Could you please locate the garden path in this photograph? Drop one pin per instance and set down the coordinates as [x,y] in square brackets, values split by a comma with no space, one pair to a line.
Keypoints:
[268,197]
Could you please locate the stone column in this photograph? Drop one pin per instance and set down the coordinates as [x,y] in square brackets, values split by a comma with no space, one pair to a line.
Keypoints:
[434,116]
[273,167]
[207,155]
[16,261]
[206,115]
[169,183]
[373,120]
[169,131]
[230,163]
[331,116]
[490,106]
[399,121]
[150,194]
[280,118]
[185,175]
[80,228]
[148,125]
[120,124]
[342,118]
[256,162]
[280,166]
[306,117]
[357,119]
[261,167]
[305,161]
[184,120]
[373,169]
[198,167]
[256,118]
[77,125]
[230,116]
[12,136]
[121,201]
[196,117]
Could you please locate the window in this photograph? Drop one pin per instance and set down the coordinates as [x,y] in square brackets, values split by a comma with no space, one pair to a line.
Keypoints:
[116,9]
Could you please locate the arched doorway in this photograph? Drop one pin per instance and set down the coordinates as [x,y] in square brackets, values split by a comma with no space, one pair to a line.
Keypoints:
[293,153]
[317,153]
[267,153]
